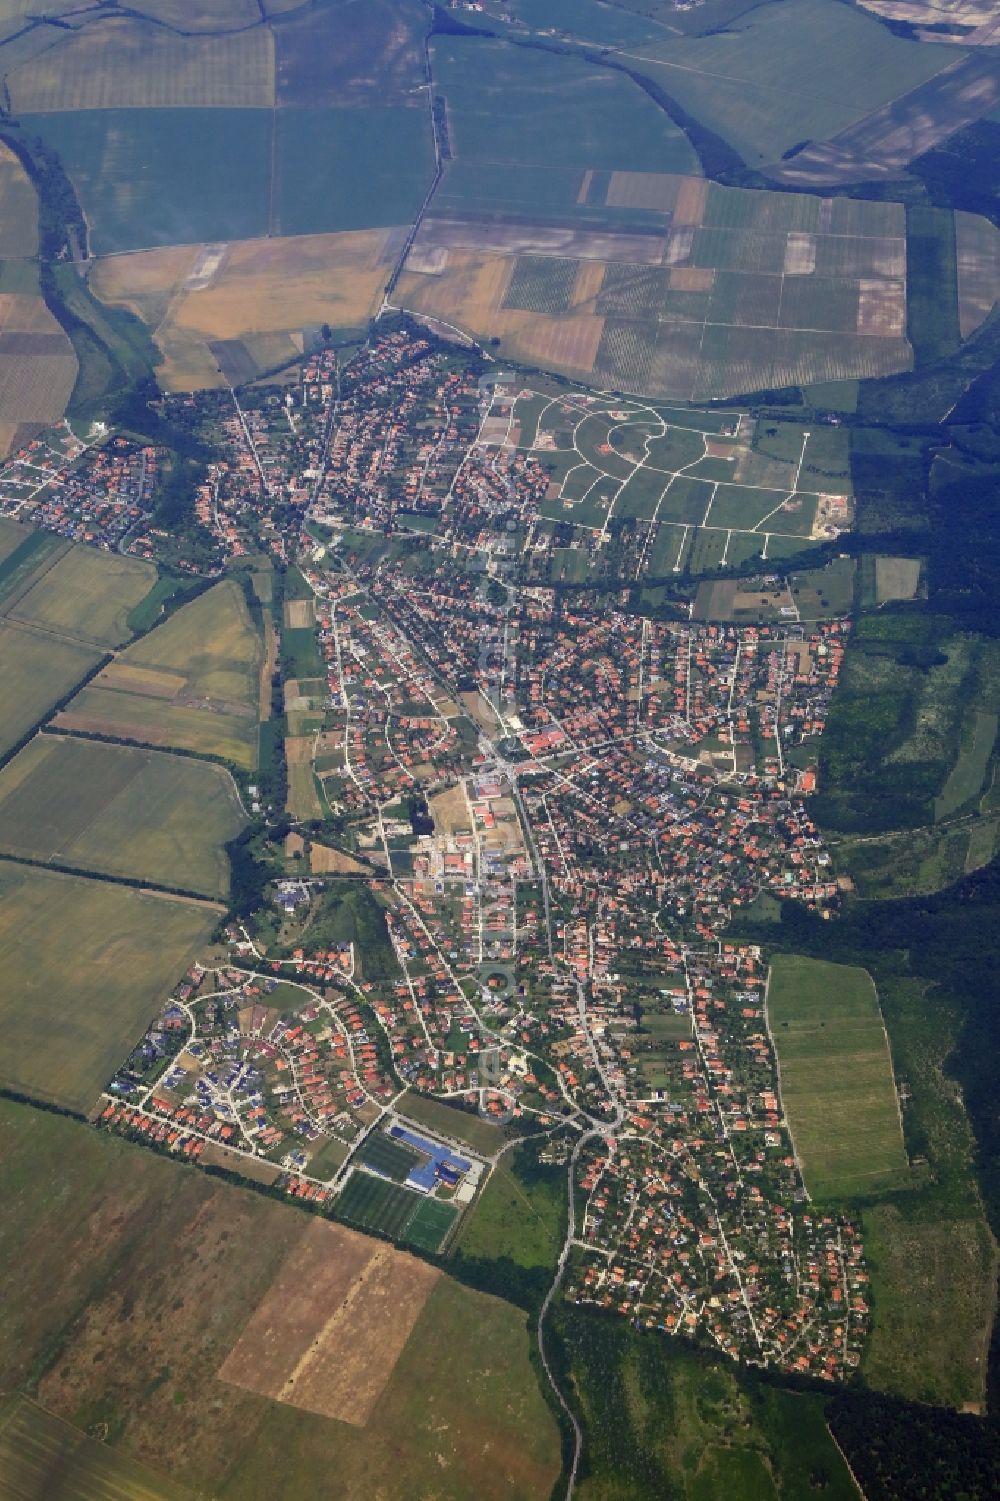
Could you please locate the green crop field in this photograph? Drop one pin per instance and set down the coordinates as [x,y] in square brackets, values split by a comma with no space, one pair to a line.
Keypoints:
[36,1447]
[509,104]
[341,169]
[783,74]
[35,673]
[86,964]
[142,815]
[130,64]
[192,684]
[87,595]
[164,177]
[837,1087]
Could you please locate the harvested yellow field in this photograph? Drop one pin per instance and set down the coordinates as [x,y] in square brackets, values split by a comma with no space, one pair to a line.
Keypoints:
[589,277]
[264,292]
[145,281]
[569,343]
[18,209]
[467,290]
[324,861]
[36,387]
[127,64]
[652,190]
[692,195]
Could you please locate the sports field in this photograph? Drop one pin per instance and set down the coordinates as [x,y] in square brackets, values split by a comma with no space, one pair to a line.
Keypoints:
[36,1447]
[837,1086]
[191,684]
[36,671]
[86,595]
[374,1204]
[143,815]
[86,963]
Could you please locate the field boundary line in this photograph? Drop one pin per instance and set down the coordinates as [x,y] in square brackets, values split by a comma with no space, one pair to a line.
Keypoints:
[145,888]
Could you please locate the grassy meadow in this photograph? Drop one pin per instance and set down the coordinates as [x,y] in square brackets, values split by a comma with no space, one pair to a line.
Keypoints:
[36,671]
[87,595]
[36,1447]
[192,684]
[837,1087]
[119,811]
[85,965]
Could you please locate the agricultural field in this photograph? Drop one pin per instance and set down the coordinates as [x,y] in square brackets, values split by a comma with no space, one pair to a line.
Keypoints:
[86,595]
[191,684]
[447,1401]
[118,811]
[513,106]
[357,54]
[36,672]
[86,964]
[977,247]
[338,1351]
[719,292]
[267,295]
[837,1087]
[38,367]
[201,15]
[882,144]
[785,74]
[127,63]
[44,1459]
[18,209]
[164,177]
[349,169]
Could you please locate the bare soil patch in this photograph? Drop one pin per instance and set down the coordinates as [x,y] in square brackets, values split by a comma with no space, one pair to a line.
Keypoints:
[332,1325]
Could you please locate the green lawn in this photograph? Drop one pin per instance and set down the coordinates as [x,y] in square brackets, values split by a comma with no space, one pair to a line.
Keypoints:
[837,1084]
